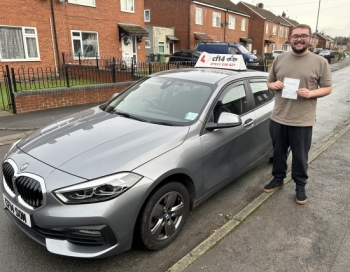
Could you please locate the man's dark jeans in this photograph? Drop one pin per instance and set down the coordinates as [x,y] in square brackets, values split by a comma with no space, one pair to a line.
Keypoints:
[299,141]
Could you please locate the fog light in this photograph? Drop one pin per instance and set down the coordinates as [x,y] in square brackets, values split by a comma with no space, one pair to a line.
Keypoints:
[91,232]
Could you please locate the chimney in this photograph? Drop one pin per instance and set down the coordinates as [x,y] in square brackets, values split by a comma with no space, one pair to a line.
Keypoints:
[261,5]
[284,14]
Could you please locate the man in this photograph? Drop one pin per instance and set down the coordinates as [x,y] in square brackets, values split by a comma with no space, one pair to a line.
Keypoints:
[298,78]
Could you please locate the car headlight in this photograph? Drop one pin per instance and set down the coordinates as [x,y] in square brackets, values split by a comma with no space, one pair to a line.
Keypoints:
[98,190]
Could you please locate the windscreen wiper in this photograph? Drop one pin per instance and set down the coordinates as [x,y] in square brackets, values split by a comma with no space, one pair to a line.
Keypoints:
[162,123]
[127,115]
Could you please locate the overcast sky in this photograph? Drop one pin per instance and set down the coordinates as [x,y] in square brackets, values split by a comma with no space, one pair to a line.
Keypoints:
[333,18]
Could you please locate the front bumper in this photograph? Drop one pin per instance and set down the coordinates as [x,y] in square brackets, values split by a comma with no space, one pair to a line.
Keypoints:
[85,230]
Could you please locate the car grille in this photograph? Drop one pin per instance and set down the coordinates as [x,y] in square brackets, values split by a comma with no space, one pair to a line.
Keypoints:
[8,173]
[28,188]
[30,191]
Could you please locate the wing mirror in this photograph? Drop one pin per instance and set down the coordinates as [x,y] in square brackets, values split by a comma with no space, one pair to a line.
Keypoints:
[226,120]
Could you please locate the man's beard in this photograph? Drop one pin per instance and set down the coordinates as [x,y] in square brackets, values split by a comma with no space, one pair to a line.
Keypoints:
[299,51]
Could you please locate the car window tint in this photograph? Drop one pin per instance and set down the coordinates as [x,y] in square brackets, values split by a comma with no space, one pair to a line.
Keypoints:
[234,100]
[261,93]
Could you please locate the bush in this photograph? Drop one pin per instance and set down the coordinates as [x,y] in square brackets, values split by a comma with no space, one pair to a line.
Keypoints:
[268,55]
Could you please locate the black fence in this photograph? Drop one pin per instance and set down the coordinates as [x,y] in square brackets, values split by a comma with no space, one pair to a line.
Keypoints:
[79,70]
[6,92]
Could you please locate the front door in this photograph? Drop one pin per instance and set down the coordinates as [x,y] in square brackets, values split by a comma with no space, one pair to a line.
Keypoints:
[228,151]
[128,49]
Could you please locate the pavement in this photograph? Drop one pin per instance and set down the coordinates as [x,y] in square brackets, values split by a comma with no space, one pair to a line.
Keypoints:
[272,233]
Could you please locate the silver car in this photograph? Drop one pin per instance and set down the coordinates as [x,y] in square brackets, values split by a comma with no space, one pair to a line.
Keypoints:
[131,169]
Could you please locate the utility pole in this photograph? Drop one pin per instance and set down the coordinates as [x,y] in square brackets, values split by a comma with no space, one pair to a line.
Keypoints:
[316,31]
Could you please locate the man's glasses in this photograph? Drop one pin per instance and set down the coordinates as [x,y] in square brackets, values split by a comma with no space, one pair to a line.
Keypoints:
[302,36]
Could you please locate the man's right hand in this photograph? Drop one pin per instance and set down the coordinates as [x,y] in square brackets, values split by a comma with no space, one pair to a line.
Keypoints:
[275,86]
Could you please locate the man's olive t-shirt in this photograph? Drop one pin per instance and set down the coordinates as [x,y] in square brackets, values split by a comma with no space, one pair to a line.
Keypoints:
[313,72]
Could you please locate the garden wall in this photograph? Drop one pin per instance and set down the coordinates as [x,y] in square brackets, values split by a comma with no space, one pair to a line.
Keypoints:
[55,98]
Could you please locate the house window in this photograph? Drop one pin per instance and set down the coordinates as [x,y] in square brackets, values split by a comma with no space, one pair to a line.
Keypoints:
[274,30]
[147,43]
[243,25]
[18,43]
[127,5]
[83,2]
[160,47]
[147,15]
[216,19]
[286,32]
[232,22]
[199,16]
[85,43]
[281,31]
[267,29]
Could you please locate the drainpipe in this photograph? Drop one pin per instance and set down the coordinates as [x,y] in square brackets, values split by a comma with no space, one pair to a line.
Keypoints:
[224,24]
[189,28]
[55,36]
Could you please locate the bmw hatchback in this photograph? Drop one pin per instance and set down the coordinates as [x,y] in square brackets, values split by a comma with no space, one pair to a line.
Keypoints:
[131,169]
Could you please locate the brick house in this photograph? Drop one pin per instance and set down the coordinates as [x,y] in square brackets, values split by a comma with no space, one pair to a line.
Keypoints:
[323,41]
[35,33]
[292,23]
[200,20]
[268,31]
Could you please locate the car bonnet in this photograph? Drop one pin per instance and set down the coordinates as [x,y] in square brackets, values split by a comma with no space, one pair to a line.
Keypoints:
[91,146]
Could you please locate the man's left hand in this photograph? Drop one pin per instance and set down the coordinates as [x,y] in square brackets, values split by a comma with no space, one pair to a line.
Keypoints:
[303,92]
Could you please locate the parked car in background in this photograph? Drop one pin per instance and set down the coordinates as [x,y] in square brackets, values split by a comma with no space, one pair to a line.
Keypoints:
[229,48]
[185,57]
[148,156]
[275,53]
[324,53]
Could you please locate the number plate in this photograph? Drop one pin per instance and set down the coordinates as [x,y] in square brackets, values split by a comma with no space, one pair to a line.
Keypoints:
[19,213]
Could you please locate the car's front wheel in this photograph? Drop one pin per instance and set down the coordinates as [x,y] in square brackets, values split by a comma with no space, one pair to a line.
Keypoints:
[163,216]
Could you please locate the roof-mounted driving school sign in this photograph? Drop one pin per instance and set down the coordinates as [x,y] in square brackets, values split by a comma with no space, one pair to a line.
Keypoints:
[225,61]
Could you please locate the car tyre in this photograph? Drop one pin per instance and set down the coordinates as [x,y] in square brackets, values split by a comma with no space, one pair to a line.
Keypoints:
[163,216]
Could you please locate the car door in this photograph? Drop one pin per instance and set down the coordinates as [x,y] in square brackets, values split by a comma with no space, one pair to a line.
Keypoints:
[227,151]
[264,99]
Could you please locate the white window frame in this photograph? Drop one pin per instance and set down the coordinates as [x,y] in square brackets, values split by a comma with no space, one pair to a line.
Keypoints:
[267,29]
[79,38]
[231,22]
[127,5]
[25,45]
[216,22]
[274,29]
[281,31]
[286,33]
[199,16]
[147,15]
[89,3]
[243,24]
[161,43]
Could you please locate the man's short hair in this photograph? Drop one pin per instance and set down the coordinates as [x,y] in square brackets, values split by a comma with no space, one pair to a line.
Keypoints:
[302,26]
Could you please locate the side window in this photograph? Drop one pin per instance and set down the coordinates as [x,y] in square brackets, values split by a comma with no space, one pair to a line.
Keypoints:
[232,50]
[187,55]
[261,93]
[233,100]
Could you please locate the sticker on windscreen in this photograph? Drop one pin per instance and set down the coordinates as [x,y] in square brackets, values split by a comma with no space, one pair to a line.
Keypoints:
[191,116]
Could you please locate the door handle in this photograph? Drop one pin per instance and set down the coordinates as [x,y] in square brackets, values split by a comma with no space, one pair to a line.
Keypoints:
[249,122]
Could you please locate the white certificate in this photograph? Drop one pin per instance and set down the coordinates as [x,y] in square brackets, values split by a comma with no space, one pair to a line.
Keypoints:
[291,85]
